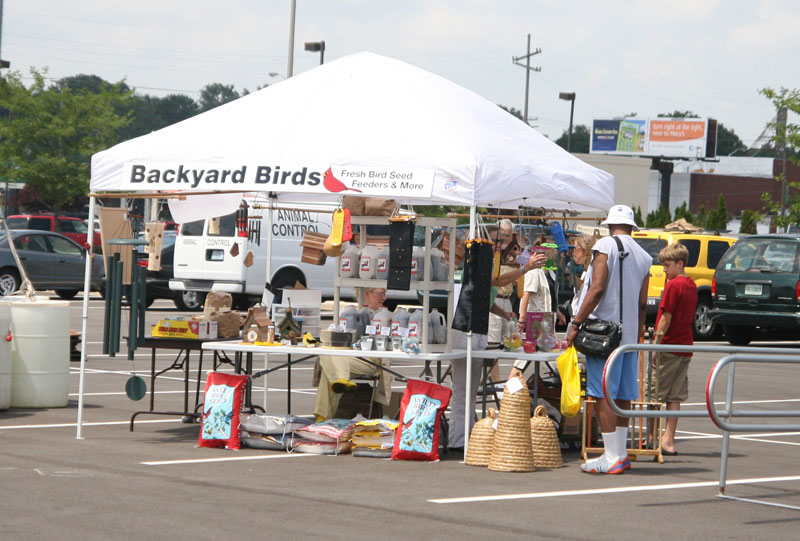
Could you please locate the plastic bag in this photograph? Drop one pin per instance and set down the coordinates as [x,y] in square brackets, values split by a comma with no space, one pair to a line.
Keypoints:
[570,382]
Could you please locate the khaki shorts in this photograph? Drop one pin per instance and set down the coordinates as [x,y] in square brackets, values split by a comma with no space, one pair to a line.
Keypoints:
[671,378]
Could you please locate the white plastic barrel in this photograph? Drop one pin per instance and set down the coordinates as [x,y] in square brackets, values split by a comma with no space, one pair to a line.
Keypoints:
[5,356]
[39,354]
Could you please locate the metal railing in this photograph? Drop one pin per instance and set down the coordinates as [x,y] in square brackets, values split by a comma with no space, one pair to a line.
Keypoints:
[722,419]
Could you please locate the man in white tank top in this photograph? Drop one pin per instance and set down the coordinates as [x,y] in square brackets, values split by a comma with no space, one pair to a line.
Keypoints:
[600,299]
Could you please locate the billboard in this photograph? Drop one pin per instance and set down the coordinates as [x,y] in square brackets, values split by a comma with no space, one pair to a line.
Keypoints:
[661,137]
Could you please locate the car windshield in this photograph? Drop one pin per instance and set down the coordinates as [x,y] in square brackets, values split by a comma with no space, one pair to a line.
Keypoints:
[761,255]
[652,247]
[17,223]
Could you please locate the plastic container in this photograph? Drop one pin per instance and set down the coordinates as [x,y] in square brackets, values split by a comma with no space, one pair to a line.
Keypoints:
[39,354]
[381,318]
[418,263]
[368,262]
[348,267]
[438,328]
[415,324]
[439,267]
[382,263]
[399,320]
[5,356]
[349,317]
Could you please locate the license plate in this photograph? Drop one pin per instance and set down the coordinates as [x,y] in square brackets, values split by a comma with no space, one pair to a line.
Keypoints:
[752,289]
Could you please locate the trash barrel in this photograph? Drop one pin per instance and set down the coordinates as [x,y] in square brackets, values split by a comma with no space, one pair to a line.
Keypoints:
[39,354]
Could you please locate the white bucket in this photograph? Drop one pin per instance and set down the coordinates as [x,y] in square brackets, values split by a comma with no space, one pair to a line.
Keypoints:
[5,356]
[39,354]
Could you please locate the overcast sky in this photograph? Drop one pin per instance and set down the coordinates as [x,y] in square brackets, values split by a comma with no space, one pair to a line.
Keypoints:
[707,56]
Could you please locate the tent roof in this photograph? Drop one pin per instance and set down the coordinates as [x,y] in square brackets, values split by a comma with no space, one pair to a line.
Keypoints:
[361,115]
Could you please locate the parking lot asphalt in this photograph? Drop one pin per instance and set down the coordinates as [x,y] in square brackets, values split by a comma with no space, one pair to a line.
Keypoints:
[155,482]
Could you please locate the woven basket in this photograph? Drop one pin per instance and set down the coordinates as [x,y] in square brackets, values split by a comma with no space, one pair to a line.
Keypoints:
[480,441]
[544,439]
[511,447]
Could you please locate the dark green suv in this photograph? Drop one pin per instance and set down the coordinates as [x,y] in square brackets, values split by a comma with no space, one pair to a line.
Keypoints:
[757,287]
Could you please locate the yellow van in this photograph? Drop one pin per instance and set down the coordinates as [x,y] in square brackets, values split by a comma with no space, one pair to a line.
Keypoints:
[705,251]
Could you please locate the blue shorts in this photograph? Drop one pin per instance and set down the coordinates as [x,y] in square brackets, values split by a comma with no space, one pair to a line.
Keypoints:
[621,383]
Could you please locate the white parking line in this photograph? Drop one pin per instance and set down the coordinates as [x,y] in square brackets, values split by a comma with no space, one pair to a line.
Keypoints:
[99,423]
[615,490]
[223,459]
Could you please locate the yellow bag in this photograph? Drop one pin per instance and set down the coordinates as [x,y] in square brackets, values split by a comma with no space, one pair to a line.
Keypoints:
[570,382]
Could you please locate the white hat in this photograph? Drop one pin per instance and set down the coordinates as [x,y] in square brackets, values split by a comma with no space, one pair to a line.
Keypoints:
[620,215]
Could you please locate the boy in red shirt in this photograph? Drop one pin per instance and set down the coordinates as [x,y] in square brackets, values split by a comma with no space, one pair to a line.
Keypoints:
[673,326]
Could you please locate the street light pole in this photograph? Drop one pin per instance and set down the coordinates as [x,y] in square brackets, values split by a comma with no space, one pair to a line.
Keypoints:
[570,97]
[290,62]
[315,46]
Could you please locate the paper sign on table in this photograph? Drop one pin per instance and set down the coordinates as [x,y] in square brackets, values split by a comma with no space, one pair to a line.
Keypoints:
[371,329]
[402,331]
[386,331]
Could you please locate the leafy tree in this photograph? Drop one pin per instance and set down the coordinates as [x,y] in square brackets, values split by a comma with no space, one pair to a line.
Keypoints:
[789,136]
[215,94]
[50,134]
[637,216]
[512,111]
[718,218]
[679,114]
[749,222]
[659,217]
[683,212]
[151,113]
[728,142]
[580,139]
[702,217]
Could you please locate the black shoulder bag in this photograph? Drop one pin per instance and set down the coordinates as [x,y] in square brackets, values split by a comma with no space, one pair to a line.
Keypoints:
[598,338]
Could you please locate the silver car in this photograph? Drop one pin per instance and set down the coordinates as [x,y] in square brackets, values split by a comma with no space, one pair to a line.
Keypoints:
[51,261]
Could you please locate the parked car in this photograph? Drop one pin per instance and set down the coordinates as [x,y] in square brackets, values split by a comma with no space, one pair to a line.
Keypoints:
[51,261]
[158,281]
[705,252]
[757,287]
[69,226]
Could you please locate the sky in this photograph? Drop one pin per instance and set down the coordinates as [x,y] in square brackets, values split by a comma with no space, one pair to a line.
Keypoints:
[648,57]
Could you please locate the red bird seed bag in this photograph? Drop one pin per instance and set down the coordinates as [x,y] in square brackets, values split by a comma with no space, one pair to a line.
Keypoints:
[222,403]
[417,437]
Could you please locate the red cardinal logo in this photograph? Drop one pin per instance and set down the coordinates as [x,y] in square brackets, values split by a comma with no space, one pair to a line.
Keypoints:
[333,184]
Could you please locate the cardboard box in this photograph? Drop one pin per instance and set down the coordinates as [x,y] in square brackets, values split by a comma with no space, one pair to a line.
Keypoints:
[198,330]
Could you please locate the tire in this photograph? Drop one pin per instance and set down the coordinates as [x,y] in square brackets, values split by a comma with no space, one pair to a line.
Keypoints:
[66,294]
[738,335]
[286,278]
[9,281]
[189,301]
[702,327]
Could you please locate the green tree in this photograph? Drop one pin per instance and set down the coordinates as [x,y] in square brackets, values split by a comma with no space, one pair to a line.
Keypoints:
[678,114]
[702,217]
[749,222]
[728,142]
[637,216]
[215,94]
[683,212]
[512,111]
[50,134]
[719,217]
[580,139]
[787,135]
[659,217]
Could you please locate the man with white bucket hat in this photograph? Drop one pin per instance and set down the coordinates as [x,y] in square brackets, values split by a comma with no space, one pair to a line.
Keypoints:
[600,299]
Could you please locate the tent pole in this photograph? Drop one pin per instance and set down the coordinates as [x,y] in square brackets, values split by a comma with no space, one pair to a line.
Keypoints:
[85,313]
[268,279]
[467,413]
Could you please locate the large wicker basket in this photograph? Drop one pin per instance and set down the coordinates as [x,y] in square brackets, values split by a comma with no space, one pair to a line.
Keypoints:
[511,447]
[479,449]
[544,440]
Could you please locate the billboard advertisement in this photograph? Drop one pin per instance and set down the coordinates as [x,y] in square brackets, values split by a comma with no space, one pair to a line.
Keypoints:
[661,137]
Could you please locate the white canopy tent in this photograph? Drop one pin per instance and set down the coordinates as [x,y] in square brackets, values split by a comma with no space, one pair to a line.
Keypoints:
[364,122]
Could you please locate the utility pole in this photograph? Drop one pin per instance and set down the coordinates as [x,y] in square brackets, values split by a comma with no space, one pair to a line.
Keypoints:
[780,155]
[290,60]
[528,69]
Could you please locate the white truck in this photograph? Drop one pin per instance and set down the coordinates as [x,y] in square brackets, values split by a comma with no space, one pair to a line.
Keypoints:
[204,259]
